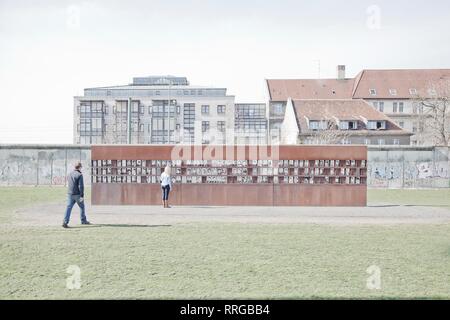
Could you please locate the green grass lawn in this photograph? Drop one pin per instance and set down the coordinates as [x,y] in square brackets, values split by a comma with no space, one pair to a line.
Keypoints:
[437,197]
[12,198]
[221,260]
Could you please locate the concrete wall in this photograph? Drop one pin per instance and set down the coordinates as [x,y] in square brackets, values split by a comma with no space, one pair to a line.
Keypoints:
[408,167]
[389,167]
[41,164]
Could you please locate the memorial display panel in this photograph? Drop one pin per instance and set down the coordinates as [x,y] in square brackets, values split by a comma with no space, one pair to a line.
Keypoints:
[293,175]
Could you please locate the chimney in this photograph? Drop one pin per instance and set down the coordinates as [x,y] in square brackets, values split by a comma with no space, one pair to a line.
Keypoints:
[341,72]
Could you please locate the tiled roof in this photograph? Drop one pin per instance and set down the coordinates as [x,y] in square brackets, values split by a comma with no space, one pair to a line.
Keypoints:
[401,81]
[281,90]
[345,109]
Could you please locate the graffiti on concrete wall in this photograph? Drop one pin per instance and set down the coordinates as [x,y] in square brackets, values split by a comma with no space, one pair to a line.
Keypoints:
[39,167]
[386,169]
[17,168]
[381,175]
[409,174]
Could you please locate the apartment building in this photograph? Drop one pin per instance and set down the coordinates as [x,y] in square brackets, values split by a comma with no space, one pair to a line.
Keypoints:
[392,92]
[154,110]
[396,93]
[339,121]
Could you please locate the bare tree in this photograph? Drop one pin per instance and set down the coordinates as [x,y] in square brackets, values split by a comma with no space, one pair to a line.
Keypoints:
[434,113]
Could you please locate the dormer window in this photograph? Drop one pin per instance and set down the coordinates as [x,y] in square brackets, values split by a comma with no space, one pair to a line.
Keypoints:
[313,125]
[413,91]
[373,92]
[393,92]
[376,125]
[318,125]
[347,125]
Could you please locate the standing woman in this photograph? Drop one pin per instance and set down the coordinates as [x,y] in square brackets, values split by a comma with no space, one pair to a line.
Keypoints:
[166,185]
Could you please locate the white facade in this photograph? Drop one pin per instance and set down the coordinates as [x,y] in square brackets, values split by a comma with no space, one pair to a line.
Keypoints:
[406,114]
[289,128]
[195,115]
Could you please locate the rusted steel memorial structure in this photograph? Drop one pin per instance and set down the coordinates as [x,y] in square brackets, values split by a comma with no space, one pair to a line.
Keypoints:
[231,175]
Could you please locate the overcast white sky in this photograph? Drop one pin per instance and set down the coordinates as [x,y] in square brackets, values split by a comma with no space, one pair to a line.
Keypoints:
[51,50]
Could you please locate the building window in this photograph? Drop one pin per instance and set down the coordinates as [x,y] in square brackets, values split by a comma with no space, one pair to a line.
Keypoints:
[188,122]
[381,142]
[396,142]
[413,91]
[205,109]
[376,125]
[400,107]
[343,125]
[366,141]
[394,107]
[393,92]
[347,125]
[278,109]
[375,105]
[313,125]
[162,130]
[141,127]
[221,126]
[221,109]
[401,124]
[373,92]
[205,126]
[381,107]
[135,107]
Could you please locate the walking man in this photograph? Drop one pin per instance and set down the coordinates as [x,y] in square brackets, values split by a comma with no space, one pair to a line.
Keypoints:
[75,194]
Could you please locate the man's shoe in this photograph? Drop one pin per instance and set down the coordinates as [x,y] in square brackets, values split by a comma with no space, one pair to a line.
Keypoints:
[86,222]
[65,225]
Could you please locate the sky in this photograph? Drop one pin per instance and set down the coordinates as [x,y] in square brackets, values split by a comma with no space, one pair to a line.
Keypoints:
[51,50]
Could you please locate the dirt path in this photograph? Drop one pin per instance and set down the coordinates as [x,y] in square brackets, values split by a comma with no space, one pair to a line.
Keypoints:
[52,214]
